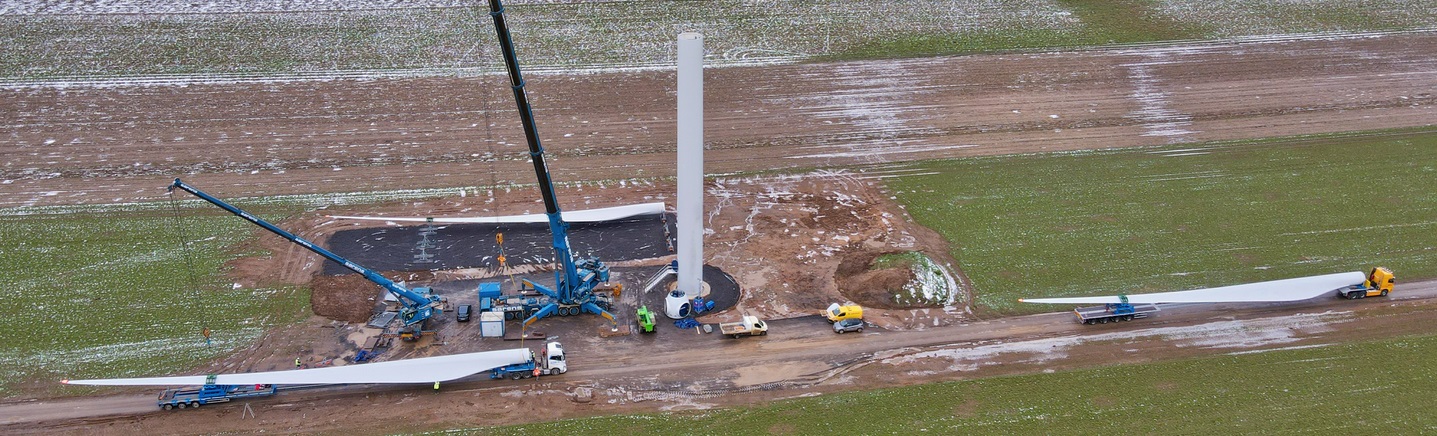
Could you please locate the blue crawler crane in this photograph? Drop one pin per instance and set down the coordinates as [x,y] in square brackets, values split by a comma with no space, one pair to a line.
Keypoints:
[418,306]
[573,292]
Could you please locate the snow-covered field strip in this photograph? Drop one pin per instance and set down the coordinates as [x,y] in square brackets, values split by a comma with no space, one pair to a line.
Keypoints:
[127,38]
[1243,334]
[52,39]
[1230,18]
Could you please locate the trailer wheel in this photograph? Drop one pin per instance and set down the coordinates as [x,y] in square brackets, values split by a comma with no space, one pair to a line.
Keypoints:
[516,375]
[167,406]
[194,405]
[1127,317]
[180,405]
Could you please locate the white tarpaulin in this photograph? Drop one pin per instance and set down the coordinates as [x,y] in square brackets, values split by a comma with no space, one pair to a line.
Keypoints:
[1297,289]
[580,216]
[421,370]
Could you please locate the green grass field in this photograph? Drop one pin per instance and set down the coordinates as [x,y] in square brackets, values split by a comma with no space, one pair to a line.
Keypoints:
[112,291]
[1182,217]
[638,33]
[1362,388]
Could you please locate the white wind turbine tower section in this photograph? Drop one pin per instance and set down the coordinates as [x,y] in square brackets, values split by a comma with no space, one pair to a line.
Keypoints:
[690,173]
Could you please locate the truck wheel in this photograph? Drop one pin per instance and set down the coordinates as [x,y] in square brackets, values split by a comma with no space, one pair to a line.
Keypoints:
[167,406]
[1384,292]
[553,371]
[180,405]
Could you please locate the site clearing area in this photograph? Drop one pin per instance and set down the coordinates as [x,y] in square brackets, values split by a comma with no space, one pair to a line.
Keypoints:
[1056,151]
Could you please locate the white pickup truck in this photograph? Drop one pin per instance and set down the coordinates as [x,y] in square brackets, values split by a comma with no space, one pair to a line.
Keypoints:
[748,326]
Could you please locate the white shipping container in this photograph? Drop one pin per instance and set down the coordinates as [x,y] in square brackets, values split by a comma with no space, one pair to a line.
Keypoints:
[491,324]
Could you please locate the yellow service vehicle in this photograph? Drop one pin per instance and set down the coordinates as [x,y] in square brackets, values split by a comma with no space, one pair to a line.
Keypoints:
[1379,282]
[836,312]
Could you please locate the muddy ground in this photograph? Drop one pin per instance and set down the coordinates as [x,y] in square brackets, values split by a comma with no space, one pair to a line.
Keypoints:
[794,242]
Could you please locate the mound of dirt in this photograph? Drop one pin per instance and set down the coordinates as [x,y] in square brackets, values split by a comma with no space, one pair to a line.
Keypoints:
[870,287]
[353,298]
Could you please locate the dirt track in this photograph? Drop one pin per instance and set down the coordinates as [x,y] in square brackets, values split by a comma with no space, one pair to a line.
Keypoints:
[119,144]
[100,145]
[801,357]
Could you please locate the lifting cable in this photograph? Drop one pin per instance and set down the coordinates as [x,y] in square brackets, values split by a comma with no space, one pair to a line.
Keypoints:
[183,241]
[493,157]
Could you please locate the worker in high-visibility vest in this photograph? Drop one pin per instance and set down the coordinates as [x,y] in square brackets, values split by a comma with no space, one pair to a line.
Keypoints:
[436,386]
[296,362]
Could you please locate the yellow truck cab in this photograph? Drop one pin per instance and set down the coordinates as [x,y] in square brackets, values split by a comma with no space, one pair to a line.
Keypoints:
[836,312]
[1378,284]
[1379,281]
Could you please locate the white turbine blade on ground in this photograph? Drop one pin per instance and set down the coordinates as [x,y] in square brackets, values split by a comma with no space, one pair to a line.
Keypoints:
[579,216]
[421,370]
[1297,289]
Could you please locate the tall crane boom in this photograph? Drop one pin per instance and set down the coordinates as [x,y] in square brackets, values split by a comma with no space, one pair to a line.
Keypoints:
[417,307]
[573,286]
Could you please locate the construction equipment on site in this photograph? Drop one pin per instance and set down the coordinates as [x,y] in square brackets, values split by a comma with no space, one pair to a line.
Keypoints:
[749,325]
[573,291]
[194,397]
[1123,307]
[418,305]
[219,388]
[1378,284]
[837,312]
[552,363]
[645,319]
[1115,312]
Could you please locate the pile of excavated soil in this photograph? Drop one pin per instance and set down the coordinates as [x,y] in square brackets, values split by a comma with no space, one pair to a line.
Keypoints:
[353,298]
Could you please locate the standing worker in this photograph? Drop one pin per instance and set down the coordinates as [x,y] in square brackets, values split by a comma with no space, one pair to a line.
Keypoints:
[296,362]
[436,386]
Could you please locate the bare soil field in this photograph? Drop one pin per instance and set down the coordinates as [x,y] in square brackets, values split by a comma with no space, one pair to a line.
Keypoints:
[795,238]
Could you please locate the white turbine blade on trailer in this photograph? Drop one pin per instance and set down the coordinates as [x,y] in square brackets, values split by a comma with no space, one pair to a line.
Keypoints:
[421,370]
[579,216]
[1295,289]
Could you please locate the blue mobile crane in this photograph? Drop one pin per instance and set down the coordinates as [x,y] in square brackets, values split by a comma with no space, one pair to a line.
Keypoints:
[573,291]
[418,307]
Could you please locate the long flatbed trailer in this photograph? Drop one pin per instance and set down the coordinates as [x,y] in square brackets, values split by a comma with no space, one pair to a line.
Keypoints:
[1114,312]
